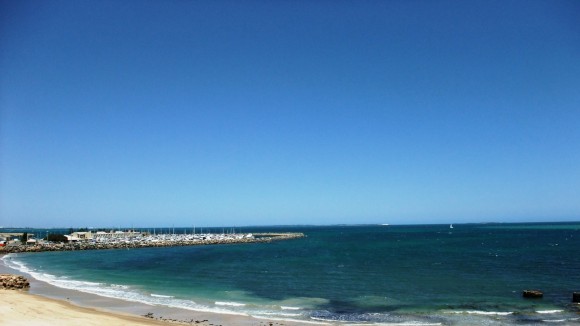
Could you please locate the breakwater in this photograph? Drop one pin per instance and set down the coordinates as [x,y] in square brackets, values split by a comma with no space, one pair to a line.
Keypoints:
[144,241]
[13,282]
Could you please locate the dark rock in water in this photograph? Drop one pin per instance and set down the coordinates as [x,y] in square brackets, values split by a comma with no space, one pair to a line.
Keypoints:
[576,297]
[532,294]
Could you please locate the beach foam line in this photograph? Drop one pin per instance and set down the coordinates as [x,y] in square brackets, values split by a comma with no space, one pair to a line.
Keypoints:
[560,320]
[279,314]
[231,304]
[549,311]
[289,308]
[483,313]
[412,323]
[328,320]
[291,320]
[161,296]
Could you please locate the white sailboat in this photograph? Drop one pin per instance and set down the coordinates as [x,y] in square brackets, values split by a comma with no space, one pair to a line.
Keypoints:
[451,226]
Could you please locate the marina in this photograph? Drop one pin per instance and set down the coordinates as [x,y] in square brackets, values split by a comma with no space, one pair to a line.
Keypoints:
[133,239]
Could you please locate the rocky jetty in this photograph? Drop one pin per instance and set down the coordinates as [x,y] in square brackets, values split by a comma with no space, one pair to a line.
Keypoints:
[576,297]
[166,240]
[532,294]
[13,282]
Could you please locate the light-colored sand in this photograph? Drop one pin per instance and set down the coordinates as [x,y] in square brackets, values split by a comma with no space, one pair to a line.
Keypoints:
[21,308]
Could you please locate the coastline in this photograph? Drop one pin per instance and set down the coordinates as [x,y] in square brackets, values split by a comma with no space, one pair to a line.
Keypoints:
[70,307]
[305,261]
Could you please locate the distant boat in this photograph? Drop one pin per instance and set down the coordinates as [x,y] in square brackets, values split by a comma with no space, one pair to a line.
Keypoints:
[451,226]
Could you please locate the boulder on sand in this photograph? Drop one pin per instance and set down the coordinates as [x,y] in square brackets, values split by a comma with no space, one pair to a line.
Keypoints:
[13,282]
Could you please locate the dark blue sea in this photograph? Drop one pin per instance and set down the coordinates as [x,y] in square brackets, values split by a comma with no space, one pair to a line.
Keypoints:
[373,274]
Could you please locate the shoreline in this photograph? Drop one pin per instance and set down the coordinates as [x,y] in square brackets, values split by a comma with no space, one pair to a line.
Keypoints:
[21,307]
[60,304]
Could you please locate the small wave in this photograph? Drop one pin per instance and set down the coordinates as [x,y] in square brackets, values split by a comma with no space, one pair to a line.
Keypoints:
[161,296]
[350,323]
[549,311]
[326,320]
[484,313]
[289,308]
[119,286]
[259,316]
[231,304]
[560,320]
[6,256]
[279,314]
[412,323]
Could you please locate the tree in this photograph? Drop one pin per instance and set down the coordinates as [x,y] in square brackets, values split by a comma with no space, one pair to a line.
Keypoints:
[24,237]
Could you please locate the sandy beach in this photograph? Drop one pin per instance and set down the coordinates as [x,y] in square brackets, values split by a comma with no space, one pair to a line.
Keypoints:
[44,304]
[21,308]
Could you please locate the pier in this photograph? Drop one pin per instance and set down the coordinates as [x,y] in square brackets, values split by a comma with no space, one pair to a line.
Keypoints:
[135,240]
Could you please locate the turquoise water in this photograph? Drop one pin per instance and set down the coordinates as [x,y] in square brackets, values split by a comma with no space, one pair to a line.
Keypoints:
[372,274]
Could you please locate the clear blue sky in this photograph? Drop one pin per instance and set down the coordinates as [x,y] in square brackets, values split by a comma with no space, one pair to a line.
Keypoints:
[151,113]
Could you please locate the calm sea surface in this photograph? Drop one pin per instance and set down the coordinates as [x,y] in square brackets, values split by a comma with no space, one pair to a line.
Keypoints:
[432,274]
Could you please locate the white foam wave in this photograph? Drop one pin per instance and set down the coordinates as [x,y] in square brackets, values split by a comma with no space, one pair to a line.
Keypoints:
[258,316]
[119,286]
[231,304]
[554,321]
[161,295]
[289,308]
[413,323]
[483,313]
[279,314]
[329,320]
[549,311]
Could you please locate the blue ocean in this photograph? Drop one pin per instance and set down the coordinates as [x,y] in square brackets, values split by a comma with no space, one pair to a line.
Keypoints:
[371,274]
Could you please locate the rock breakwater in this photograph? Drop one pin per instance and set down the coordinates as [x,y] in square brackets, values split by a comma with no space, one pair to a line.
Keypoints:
[165,240]
[13,282]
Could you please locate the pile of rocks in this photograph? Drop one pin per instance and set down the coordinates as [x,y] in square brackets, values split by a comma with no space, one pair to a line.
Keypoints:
[13,282]
[160,241]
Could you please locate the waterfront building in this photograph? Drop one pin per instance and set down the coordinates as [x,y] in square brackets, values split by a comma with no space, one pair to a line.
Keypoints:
[102,236]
